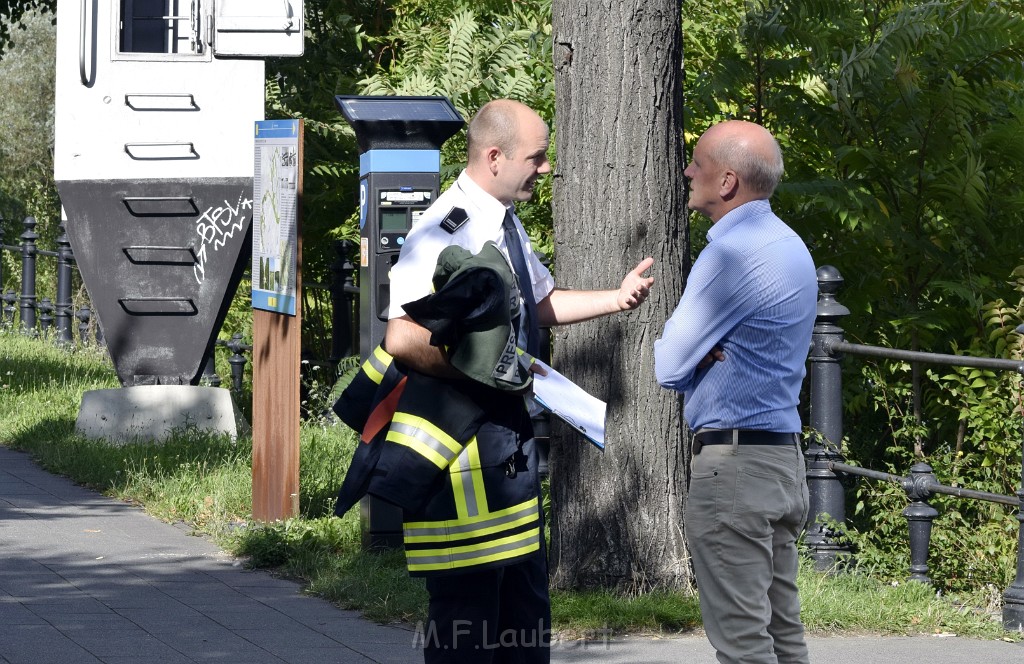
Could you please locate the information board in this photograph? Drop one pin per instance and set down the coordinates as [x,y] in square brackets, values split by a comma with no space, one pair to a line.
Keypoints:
[274,222]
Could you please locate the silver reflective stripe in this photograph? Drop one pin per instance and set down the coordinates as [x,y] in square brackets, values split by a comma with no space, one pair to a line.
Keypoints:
[482,553]
[463,477]
[473,529]
[423,437]
[377,364]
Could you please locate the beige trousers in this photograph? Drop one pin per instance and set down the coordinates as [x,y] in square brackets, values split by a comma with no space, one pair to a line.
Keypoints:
[746,507]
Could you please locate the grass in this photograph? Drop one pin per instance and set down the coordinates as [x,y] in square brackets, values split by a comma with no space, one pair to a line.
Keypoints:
[206,481]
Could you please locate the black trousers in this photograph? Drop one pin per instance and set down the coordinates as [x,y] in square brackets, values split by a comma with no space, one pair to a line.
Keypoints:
[493,616]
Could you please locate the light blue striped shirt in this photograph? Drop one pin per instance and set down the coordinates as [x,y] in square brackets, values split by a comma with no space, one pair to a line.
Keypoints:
[752,291]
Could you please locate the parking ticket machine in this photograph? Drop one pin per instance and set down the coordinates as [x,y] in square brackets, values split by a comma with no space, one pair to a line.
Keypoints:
[400,141]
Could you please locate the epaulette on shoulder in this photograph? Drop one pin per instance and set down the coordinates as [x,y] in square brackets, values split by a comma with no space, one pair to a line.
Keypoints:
[454,220]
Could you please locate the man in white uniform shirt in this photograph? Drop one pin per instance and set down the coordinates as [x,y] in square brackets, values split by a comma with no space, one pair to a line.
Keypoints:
[493,613]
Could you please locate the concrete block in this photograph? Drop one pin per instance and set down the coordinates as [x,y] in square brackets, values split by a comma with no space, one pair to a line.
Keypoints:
[150,413]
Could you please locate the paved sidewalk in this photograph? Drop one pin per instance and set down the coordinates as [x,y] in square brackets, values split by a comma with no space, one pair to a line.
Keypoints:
[87,580]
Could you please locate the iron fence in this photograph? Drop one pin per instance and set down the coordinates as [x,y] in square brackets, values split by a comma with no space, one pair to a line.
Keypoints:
[37,315]
[826,465]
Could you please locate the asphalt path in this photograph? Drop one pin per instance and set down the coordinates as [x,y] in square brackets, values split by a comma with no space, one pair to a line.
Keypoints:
[85,579]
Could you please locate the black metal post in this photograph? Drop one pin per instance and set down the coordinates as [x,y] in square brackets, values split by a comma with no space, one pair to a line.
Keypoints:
[46,309]
[10,299]
[1,252]
[64,259]
[342,270]
[28,274]
[210,376]
[919,515]
[237,361]
[827,500]
[83,315]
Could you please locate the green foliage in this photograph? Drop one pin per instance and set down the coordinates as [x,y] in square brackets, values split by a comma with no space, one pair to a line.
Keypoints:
[473,53]
[901,126]
[972,426]
[852,601]
[11,13]
[592,614]
[26,132]
[337,55]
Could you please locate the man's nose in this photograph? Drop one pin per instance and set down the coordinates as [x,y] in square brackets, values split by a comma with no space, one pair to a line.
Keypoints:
[544,168]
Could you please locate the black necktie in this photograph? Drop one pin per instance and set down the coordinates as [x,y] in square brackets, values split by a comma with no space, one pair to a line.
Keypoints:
[529,332]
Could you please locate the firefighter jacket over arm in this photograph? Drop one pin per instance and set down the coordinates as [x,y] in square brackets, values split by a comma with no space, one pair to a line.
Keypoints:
[456,456]
[474,314]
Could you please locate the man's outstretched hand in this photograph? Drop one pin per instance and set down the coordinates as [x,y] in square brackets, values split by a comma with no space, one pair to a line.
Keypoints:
[635,287]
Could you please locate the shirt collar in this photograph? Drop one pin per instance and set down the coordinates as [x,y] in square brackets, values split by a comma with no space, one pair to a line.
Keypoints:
[493,209]
[735,216]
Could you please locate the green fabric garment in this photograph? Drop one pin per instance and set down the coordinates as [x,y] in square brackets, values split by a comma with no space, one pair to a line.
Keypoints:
[474,313]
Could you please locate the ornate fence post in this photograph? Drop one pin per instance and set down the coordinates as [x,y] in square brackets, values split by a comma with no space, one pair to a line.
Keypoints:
[64,259]
[28,274]
[919,515]
[83,315]
[46,309]
[342,270]
[10,299]
[237,361]
[826,413]
[210,376]
[3,294]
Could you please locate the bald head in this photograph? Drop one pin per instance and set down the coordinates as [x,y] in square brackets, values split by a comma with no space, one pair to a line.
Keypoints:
[749,150]
[506,149]
[497,123]
[733,163]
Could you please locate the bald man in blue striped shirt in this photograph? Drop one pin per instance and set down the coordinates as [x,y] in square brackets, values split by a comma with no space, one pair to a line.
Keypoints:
[736,347]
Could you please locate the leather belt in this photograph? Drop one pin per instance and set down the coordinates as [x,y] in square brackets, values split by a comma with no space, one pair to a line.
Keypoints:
[746,437]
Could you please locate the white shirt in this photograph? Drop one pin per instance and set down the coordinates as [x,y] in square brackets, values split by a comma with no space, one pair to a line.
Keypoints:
[411,277]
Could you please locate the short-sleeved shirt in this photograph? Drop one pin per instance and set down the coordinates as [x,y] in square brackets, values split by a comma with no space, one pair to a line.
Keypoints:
[411,277]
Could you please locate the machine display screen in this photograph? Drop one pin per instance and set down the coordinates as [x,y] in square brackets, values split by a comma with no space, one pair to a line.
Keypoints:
[393,220]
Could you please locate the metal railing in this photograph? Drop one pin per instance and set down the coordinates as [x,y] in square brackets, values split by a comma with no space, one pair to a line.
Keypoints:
[825,463]
[35,315]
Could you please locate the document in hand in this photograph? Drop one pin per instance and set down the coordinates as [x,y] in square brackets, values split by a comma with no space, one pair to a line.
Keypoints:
[571,403]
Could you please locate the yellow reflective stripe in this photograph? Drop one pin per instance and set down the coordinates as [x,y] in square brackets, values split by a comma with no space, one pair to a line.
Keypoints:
[454,557]
[455,536]
[462,502]
[470,496]
[424,438]
[479,491]
[376,365]
[460,529]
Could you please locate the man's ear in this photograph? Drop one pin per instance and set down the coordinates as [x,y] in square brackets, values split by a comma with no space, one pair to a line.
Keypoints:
[730,185]
[492,153]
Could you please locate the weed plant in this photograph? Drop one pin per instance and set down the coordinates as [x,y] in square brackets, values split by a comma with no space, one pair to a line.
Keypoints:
[205,481]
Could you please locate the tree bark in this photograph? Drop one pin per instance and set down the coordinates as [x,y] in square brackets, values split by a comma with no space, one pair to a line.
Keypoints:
[619,196]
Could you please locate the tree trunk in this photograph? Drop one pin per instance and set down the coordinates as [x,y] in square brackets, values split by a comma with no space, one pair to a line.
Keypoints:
[618,197]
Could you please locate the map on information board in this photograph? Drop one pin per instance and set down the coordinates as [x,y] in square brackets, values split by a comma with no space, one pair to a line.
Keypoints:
[275,219]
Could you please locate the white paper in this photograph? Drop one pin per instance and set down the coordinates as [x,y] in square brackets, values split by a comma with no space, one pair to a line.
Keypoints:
[571,403]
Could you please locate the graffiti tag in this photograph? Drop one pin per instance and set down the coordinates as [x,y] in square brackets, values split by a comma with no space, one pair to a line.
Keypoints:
[216,226]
